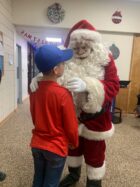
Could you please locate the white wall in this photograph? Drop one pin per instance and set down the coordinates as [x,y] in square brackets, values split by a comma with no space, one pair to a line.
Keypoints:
[7,86]
[24,60]
[99,13]
[8,102]
[124,42]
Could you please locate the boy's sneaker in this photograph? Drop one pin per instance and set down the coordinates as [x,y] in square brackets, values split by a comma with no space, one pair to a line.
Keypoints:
[2,176]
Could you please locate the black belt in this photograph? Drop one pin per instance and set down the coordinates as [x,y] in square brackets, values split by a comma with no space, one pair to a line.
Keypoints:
[90,116]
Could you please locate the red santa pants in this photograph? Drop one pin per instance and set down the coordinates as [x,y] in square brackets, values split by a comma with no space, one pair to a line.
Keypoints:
[93,152]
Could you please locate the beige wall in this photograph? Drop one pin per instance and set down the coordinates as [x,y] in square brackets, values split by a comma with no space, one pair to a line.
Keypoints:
[7,87]
[34,12]
[124,42]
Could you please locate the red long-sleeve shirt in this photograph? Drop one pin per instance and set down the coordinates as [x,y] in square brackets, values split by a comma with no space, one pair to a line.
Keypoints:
[54,118]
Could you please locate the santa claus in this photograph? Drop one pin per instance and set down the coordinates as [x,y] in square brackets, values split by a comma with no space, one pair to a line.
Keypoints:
[92,78]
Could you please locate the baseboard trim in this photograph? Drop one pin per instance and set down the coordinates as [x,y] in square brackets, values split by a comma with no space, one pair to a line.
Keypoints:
[2,121]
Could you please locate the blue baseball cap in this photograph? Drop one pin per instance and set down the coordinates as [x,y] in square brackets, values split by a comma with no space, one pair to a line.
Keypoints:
[48,56]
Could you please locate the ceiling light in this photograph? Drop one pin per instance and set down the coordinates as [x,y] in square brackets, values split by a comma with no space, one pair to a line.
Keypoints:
[54,40]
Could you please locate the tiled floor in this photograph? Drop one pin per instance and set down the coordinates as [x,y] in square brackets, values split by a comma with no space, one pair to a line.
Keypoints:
[122,158]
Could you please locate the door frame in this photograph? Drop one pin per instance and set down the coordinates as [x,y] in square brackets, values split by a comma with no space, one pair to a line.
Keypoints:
[19,73]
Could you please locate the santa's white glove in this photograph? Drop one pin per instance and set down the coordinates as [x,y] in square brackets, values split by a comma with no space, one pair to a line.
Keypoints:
[76,85]
[34,82]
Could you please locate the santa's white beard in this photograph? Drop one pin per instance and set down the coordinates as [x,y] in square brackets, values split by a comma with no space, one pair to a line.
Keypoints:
[92,66]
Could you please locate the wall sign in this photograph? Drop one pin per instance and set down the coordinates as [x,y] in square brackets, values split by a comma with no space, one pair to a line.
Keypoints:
[55,13]
[115,51]
[10,60]
[117,17]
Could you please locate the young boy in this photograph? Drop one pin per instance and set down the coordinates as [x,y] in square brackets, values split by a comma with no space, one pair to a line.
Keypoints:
[53,116]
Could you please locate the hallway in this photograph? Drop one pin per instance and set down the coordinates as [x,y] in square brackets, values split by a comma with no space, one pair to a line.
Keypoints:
[123,152]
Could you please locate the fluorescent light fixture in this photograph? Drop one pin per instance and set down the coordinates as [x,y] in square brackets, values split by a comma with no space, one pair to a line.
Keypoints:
[54,40]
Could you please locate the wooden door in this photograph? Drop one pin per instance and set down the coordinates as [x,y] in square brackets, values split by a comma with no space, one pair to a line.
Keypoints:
[134,88]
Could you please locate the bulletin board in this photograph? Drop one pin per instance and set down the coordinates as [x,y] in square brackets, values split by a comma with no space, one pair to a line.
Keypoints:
[123,44]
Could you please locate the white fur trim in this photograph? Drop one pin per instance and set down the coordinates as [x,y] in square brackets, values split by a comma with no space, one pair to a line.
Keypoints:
[95,173]
[96,95]
[34,82]
[86,34]
[94,135]
[73,161]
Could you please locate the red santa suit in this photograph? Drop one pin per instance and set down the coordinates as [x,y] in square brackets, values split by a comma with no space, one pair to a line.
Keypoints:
[97,70]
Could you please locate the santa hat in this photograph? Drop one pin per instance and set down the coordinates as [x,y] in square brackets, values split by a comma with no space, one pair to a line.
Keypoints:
[83,30]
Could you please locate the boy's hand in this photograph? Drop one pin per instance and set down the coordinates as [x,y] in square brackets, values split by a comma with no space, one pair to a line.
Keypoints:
[71,147]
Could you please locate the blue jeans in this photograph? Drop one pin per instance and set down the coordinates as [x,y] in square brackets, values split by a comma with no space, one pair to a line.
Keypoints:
[48,168]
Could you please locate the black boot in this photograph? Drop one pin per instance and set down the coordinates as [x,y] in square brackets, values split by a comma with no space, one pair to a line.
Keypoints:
[93,183]
[72,177]
[2,176]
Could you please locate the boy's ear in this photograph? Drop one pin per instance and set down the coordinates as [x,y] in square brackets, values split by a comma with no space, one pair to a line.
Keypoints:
[55,69]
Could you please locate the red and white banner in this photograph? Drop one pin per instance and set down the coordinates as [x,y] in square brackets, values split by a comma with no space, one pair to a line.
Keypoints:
[33,39]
